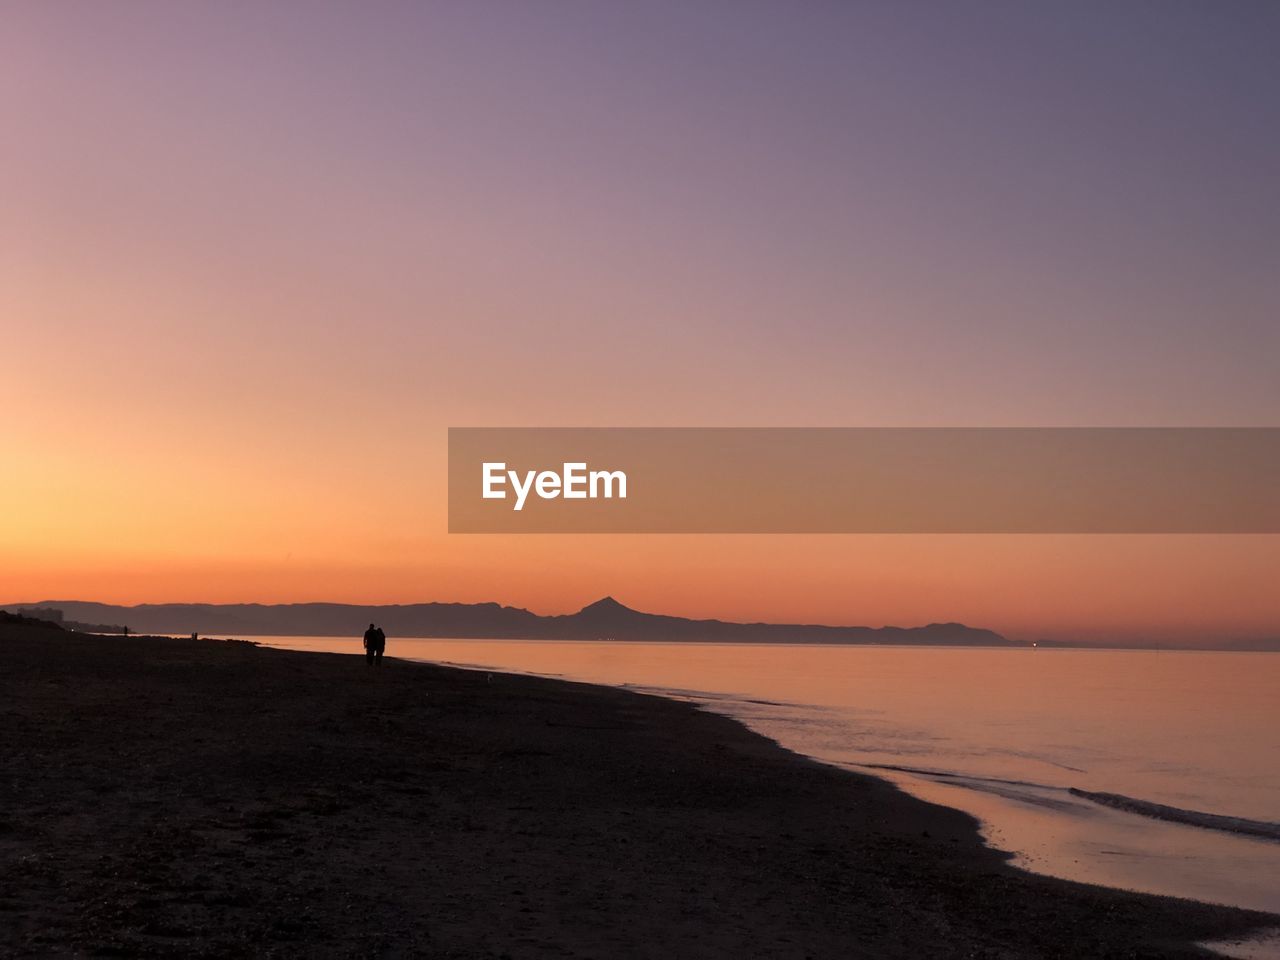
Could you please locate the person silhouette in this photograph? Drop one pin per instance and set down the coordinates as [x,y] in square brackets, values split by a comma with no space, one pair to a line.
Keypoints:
[379,645]
[370,644]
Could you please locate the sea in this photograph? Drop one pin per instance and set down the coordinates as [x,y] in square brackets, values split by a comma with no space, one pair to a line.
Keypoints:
[1151,770]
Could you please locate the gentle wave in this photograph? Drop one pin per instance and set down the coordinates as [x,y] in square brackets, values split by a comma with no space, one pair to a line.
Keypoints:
[1195,818]
[1023,790]
[965,779]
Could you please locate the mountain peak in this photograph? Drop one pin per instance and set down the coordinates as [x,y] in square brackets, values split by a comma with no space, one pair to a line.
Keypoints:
[606,605]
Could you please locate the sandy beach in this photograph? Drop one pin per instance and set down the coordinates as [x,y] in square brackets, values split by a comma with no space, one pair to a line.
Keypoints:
[179,798]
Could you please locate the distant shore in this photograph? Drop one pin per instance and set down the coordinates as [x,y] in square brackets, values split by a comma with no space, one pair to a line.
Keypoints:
[604,619]
[179,798]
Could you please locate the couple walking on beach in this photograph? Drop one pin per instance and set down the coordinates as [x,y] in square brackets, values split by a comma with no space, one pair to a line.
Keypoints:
[375,642]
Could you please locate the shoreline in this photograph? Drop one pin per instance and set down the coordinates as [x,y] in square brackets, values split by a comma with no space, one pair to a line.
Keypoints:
[1045,807]
[1028,645]
[186,798]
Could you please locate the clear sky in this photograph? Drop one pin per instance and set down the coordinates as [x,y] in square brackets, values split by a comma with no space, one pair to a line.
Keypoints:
[255,258]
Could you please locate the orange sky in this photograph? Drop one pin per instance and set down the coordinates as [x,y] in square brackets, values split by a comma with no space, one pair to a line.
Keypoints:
[251,270]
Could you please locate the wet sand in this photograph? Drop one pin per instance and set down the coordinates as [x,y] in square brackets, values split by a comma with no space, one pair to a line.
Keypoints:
[178,798]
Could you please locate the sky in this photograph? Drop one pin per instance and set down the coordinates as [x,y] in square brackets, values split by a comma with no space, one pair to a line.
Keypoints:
[255,259]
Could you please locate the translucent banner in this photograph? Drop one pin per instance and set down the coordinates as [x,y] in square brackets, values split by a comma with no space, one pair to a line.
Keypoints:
[864,480]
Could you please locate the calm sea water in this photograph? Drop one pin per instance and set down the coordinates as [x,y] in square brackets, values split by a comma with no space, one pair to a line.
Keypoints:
[1154,771]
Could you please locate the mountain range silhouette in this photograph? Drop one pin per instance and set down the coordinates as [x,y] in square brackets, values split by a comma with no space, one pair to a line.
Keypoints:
[606,619]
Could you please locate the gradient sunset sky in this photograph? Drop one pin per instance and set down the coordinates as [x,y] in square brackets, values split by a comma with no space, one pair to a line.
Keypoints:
[256,258]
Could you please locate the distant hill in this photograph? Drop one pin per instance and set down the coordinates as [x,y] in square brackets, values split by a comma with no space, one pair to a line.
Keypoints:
[605,619]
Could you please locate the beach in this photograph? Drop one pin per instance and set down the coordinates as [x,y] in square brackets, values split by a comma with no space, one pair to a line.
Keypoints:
[201,798]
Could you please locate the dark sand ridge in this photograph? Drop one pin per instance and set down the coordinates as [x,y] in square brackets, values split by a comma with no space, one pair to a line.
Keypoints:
[178,798]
